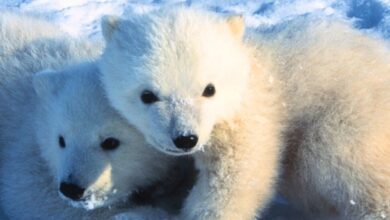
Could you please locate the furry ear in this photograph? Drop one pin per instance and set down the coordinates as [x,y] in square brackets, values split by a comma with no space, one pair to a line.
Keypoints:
[48,82]
[109,25]
[237,25]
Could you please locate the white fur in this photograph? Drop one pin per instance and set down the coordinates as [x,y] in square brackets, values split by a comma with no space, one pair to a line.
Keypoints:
[176,54]
[336,83]
[36,109]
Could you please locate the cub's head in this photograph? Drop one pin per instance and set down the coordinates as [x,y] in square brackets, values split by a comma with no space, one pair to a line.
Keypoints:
[95,156]
[174,74]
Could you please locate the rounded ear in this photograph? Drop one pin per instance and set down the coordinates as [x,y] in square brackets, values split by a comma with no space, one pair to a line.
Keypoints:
[48,82]
[109,24]
[237,25]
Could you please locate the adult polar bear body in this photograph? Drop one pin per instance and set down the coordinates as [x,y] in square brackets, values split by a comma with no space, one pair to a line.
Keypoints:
[62,146]
[187,81]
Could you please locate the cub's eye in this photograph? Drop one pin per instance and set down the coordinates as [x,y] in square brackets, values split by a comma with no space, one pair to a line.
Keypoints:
[61,141]
[148,97]
[209,91]
[110,144]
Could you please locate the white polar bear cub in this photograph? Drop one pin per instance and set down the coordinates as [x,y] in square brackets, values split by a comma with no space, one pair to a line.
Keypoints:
[169,74]
[62,145]
[176,74]
[187,81]
[83,154]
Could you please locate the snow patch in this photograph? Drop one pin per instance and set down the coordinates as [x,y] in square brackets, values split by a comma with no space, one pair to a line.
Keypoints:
[82,17]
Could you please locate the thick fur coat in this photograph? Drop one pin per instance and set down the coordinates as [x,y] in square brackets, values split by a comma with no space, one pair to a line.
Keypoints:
[186,74]
[56,127]
[331,82]
[336,83]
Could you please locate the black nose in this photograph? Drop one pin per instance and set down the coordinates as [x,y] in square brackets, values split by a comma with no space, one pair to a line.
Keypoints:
[71,191]
[186,142]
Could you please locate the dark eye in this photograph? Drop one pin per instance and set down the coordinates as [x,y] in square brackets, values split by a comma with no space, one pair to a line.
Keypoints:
[209,91]
[148,97]
[110,144]
[61,141]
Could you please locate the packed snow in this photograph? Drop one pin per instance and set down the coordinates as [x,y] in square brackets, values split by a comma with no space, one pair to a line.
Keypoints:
[81,18]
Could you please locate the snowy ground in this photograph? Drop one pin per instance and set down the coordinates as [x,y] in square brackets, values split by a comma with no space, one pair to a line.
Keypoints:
[82,18]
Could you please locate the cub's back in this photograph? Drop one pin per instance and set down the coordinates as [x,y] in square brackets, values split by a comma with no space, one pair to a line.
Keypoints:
[336,83]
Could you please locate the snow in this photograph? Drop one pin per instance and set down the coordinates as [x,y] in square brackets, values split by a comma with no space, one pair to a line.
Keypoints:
[81,18]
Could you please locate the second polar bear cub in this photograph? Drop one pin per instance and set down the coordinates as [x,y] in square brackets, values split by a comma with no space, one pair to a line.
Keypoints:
[65,153]
[85,155]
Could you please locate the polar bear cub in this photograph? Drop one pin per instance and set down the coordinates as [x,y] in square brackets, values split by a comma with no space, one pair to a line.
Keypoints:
[63,149]
[82,154]
[171,70]
[188,82]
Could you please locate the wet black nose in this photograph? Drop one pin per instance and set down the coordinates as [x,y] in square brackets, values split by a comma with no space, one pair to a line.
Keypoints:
[186,142]
[71,191]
